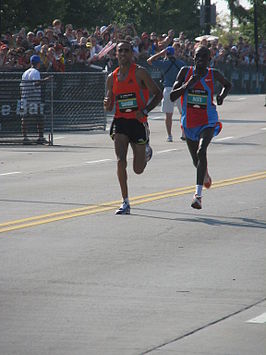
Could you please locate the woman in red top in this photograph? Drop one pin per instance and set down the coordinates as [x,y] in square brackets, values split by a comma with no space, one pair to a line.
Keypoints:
[128,88]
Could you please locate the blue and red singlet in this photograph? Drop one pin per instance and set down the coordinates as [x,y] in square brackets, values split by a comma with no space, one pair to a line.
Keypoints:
[198,110]
[129,96]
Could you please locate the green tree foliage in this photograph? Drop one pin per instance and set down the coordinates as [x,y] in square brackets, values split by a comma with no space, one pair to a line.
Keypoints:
[159,15]
[28,13]
[148,15]
[246,18]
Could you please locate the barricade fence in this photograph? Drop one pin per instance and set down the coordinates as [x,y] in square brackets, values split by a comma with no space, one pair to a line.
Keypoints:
[244,78]
[25,110]
[60,102]
[73,101]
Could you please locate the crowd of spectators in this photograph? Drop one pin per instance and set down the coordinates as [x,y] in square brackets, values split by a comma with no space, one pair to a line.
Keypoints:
[60,46]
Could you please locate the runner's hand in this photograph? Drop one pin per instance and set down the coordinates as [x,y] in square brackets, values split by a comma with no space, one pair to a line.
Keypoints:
[108,103]
[192,80]
[139,115]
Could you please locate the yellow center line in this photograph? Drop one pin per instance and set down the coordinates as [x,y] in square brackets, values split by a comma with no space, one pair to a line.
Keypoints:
[93,209]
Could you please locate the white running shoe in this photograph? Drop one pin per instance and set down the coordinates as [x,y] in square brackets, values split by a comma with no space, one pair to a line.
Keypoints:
[196,202]
[170,138]
[123,209]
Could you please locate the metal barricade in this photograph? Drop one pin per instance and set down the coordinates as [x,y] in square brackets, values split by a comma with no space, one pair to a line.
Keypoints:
[66,101]
[25,110]
[78,101]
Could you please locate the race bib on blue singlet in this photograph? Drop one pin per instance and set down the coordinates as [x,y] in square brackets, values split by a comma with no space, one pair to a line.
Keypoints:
[197,98]
[127,102]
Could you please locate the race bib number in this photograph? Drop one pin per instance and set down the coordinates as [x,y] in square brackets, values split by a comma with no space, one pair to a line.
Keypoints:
[197,98]
[127,102]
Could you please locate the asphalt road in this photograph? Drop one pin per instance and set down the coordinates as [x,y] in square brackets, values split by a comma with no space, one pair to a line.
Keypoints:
[76,279]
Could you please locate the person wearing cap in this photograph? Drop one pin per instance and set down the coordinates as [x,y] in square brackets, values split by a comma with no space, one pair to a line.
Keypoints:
[31,101]
[169,68]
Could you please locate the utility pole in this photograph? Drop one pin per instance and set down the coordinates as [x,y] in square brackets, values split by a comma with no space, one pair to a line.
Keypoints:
[256,44]
[207,17]
[0,19]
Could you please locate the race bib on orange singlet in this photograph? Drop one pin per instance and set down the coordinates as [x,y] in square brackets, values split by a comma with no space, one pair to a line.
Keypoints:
[127,102]
[197,98]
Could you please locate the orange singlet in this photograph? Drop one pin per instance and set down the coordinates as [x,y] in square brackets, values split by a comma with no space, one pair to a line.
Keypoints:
[129,96]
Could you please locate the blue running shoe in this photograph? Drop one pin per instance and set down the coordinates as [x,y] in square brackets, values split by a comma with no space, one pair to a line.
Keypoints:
[148,152]
[123,209]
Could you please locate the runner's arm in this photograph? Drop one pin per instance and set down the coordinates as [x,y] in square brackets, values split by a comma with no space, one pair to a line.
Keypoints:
[145,81]
[226,86]
[179,86]
[108,101]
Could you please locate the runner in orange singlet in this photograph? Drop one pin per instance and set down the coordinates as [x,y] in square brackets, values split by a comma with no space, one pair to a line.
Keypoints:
[128,89]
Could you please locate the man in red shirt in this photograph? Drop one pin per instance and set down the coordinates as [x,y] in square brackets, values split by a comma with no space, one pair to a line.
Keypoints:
[128,88]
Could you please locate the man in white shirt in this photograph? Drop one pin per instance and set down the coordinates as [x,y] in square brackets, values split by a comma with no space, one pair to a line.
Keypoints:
[31,106]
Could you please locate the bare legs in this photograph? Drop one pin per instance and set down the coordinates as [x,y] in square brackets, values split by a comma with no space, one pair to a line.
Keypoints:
[198,152]
[139,161]
[168,123]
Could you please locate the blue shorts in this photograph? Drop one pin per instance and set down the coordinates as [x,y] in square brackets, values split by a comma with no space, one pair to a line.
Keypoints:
[194,133]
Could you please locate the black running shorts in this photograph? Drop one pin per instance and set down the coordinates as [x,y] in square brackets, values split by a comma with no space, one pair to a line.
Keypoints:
[136,131]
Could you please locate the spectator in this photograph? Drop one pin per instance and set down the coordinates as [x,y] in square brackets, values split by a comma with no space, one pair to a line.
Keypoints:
[154,43]
[169,67]
[31,101]
[145,46]
[57,26]
[69,34]
[93,46]
[39,37]
[3,54]
[49,33]
[31,40]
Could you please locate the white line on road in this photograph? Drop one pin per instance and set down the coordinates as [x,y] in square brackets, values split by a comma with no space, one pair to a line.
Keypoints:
[223,139]
[58,138]
[11,173]
[263,129]
[260,319]
[156,118]
[166,151]
[97,161]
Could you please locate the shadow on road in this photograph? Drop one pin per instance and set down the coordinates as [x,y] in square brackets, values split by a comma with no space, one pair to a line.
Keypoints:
[241,222]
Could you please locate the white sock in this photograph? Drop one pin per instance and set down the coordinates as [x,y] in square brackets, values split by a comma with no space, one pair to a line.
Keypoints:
[126,200]
[198,190]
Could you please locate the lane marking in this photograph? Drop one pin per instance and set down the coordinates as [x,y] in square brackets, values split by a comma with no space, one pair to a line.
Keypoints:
[260,319]
[200,328]
[108,206]
[263,129]
[11,173]
[58,138]
[166,151]
[156,118]
[97,161]
[223,139]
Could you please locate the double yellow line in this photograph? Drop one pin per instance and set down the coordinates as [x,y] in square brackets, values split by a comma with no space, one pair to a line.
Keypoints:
[93,209]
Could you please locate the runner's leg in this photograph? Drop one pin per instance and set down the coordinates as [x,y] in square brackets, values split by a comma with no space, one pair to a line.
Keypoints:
[205,139]
[139,157]
[193,149]
[121,142]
